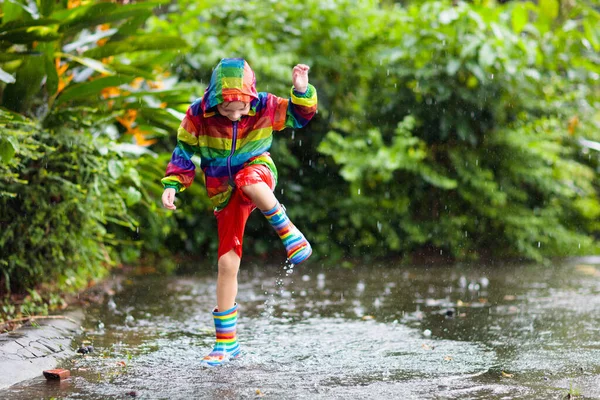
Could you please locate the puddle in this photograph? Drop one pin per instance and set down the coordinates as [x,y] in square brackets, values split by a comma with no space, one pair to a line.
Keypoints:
[508,332]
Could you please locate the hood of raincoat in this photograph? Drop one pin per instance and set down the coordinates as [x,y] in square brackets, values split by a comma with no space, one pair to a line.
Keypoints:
[231,80]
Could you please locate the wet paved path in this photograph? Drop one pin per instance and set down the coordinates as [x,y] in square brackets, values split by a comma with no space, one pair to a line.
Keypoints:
[461,332]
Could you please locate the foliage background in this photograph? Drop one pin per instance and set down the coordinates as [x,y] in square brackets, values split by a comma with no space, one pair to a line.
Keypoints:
[460,130]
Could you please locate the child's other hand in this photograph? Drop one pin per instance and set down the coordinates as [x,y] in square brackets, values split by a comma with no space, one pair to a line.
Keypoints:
[168,197]
[300,77]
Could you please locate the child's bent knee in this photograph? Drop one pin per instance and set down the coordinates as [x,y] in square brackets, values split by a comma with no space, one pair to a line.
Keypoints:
[255,187]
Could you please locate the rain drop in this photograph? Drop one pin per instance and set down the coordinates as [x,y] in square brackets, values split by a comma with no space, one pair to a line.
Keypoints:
[358,191]
[360,286]
[320,281]
[539,244]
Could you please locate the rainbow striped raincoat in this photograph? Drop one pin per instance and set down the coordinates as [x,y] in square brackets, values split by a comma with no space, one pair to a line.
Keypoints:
[225,146]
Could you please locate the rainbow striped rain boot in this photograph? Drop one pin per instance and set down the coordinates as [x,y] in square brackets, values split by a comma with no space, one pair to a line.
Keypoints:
[227,346]
[297,247]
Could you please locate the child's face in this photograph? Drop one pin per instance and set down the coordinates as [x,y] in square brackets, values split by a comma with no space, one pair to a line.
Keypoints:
[234,109]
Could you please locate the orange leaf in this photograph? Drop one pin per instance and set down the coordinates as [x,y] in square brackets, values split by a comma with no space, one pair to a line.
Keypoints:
[73,4]
[128,119]
[140,139]
[156,84]
[137,83]
[573,123]
[109,92]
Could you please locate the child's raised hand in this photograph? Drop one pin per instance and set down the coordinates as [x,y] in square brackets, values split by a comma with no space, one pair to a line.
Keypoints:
[168,197]
[300,77]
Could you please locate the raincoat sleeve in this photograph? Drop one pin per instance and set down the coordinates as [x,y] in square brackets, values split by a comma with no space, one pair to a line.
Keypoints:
[296,111]
[181,170]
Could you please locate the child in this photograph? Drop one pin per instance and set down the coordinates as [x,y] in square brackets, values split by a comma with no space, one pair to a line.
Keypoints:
[231,129]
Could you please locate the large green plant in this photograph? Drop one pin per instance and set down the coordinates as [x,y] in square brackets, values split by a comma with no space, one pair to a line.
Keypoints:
[87,94]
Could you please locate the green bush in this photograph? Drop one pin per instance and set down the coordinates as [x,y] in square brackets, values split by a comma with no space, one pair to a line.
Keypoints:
[443,128]
[59,191]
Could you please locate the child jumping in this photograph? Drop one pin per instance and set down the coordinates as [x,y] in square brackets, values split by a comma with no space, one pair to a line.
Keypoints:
[231,129]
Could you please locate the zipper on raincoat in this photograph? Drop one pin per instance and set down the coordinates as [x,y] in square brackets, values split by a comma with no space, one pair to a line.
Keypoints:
[233,142]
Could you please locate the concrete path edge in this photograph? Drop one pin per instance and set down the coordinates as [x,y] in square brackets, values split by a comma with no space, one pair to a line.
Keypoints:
[27,351]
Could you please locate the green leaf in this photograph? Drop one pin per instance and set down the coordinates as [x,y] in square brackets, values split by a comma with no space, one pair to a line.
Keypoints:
[159,118]
[549,8]
[83,16]
[102,13]
[448,15]
[452,67]
[115,168]
[12,11]
[5,57]
[436,179]
[134,175]
[130,27]
[6,77]
[46,7]
[88,62]
[519,17]
[51,77]
[591,34]
[132,196]
[92,88]
[24,23]
[133,71]
[8,148]
[138,43]
[31,34]
[11,116]
[469,49]
[19,95]
[487,55]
